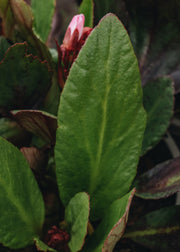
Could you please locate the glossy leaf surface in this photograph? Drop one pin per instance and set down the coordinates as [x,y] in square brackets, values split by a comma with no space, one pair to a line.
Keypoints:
[21,203]
[158,100]
[112,226]
[87,8]
[101,119]
[43,13]
[23,78]
[77,216]
[161,181]
[158,230]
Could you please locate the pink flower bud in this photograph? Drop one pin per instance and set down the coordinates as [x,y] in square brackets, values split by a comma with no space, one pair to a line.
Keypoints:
[75,37]
[74,30]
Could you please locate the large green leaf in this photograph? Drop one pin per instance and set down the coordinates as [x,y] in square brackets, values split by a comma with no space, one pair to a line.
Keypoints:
[21,203]
[158,102]
[87,8]
[111,227]
[77,216]
[43,12]
[23,78]
[158,230]
[101,119]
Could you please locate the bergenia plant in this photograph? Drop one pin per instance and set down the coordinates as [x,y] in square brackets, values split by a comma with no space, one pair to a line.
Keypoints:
[74,123]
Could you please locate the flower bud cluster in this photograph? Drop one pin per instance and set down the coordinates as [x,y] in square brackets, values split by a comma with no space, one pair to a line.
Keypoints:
[57,239]
[75,37]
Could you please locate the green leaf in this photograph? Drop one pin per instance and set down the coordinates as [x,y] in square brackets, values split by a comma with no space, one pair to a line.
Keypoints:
[43,13]
[21,203]
[161,181]
[37,122]
[158,230]
[77,216]
[101,119]
[23,78]
[158,102]
[87,8]
[112,227]
[4,45]
[41,246]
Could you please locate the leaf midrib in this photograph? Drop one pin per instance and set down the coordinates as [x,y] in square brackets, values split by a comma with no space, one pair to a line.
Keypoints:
[95,168]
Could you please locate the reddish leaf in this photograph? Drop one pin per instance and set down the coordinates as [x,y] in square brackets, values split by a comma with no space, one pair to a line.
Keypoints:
[161,181]
[37,122]
[36,158]
[158,230]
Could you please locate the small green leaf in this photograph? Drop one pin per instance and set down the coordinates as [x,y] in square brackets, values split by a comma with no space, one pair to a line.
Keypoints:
[158,230]
[87,8]
[76,216]
[21,203]
[37,122]
[43,13]
[161,181]
[158,102]
[23,78]
[101,119]
[41,246]
[112,226]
